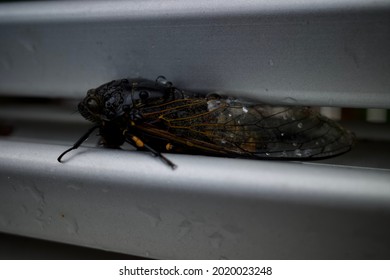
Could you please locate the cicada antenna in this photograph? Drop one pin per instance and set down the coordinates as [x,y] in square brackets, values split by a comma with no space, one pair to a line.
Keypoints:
[78,142]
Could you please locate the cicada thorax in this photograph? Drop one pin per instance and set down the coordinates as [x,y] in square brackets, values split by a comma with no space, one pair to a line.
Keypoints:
[112,133]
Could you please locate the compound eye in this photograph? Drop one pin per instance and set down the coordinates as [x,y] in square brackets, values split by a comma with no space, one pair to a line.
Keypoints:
[92,105]
[143,95]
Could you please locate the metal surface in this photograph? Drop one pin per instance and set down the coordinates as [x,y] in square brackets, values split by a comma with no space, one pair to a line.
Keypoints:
[208,208]
[332,53]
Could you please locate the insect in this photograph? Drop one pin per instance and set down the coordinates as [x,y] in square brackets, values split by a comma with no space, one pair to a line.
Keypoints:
[158,117]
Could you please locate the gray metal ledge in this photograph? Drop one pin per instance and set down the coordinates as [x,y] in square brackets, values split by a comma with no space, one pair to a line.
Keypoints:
[330,53]
[140,9]
[326,53]
[209,207]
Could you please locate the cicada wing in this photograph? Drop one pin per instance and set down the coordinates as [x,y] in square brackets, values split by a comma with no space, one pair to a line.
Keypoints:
[280,132]
[300,132]
[229,127]
[164,140]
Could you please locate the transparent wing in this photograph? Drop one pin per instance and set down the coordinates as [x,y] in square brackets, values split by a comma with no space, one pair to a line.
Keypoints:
[250,130]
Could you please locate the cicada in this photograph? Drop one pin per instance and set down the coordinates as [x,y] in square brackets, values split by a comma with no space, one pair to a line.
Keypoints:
[158,117]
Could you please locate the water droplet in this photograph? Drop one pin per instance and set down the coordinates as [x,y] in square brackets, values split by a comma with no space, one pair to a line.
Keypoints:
[271,62]
[295,144]
[213,104]
[282,134]
[162,80]
[267,154]
[300,125]
[213,96]
[245,109]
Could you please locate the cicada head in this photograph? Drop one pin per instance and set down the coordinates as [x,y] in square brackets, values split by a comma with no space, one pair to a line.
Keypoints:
[114,99]
[106,102]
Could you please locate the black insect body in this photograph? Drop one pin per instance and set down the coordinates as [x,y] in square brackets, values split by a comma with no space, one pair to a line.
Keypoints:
[161,118]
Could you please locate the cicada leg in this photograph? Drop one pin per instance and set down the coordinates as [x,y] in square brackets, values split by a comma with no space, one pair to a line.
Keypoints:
[134,140]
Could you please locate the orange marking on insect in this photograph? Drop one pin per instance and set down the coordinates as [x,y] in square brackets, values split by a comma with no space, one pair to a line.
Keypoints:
[138,142]
[169,147]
